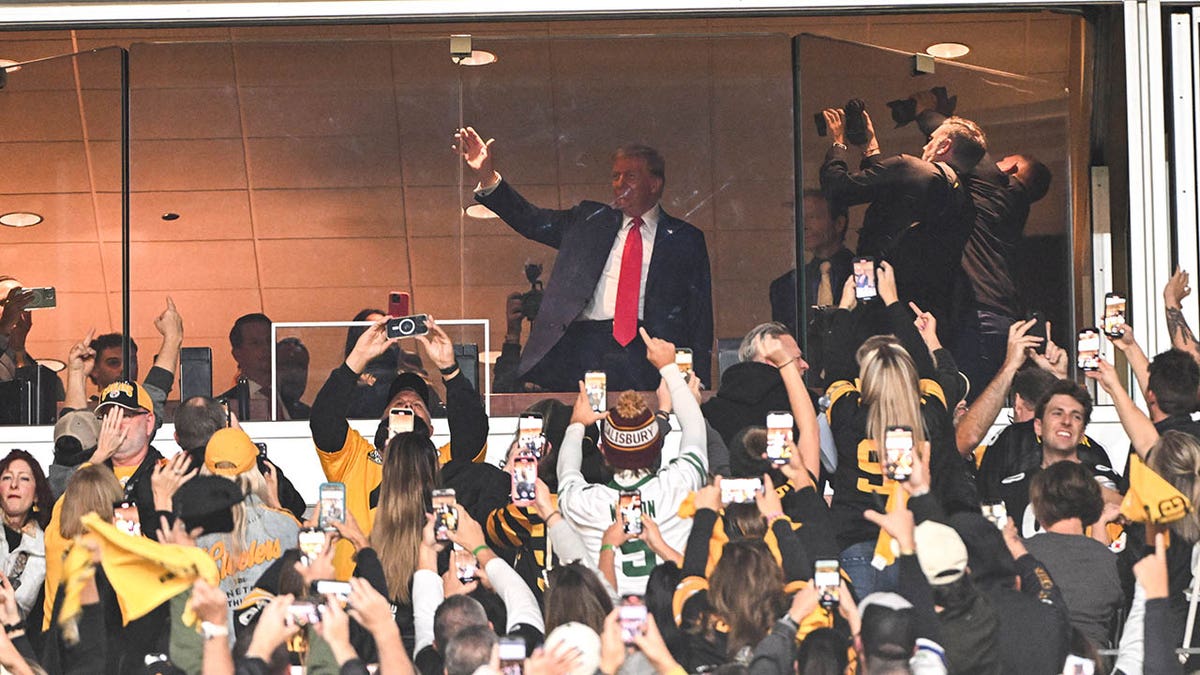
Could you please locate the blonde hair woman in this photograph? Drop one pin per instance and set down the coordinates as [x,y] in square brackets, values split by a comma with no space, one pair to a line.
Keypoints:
[887,382]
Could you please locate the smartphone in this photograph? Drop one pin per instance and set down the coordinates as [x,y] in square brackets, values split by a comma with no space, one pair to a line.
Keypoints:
[1088,349]
[630,504]
[683,359]
[44,297]
[632,616]
[996,513]
[529,434]
[595,383]
[524,479]
[408,326]
[1114,315]
[399,303]
[195,372]
[740,490]
[466,567]
[228,411]
[304,613]
[333,505]
[126,517]
[1038,329]
[262,450]
[1077,665]
[864,278]
[311,542]
[445,514]
[512,656]
[338,589]
[400,421]
[828,582]
[779,435]
[898,453]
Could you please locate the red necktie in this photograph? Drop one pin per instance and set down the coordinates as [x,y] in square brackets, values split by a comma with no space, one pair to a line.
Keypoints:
[629,286]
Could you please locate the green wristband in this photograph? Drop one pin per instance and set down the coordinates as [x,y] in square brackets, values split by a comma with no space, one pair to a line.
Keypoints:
[607,547]
[475,551]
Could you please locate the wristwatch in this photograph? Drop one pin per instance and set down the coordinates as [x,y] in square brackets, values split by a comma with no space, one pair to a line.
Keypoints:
[840,146]
[211,630]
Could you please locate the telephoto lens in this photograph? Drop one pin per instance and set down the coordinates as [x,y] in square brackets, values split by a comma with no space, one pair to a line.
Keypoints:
[856,122]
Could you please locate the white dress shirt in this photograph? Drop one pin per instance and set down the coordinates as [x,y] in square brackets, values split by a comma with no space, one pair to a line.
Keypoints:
[603,305]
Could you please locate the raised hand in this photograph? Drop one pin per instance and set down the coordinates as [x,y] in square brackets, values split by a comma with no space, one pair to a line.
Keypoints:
[438,345]
[885,278]
[659,353]
[1177,289]
[373,342]
[477,153]
[169,323]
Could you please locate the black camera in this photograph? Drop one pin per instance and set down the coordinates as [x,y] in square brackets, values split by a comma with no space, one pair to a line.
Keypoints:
[531,301]
[856,122]
[408,326]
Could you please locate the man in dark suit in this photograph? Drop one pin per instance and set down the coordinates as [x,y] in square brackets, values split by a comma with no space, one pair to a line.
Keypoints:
[620,266]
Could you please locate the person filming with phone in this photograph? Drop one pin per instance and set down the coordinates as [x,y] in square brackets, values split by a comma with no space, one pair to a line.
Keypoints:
[620,265]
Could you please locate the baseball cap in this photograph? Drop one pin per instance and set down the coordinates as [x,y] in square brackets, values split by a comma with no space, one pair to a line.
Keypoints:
[230,446]
[207,502]
[81,425]
[411,381]
[887,626]
[127,395]
[941,552]
[585,640]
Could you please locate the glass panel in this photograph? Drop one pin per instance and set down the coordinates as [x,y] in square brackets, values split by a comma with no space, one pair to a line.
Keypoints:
[317,177]
[1018,115]
[62,148]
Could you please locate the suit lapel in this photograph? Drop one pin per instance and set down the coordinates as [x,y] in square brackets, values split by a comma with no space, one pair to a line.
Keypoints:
[662,236]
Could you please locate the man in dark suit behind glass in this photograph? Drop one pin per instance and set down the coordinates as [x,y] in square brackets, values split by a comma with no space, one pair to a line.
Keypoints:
[597,296]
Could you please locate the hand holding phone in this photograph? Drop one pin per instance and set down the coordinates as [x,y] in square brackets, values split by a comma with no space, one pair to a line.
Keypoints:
[632,617]
[333,506]
[779,437]
[898,453]
[630,504]
[524,479]
[408,326]
[1114,315]
[595,383]
[1088,349]
[445,514]
[827,579]
[864,278]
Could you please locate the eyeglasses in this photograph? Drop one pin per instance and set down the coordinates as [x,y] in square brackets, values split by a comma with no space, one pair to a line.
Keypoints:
[128,413]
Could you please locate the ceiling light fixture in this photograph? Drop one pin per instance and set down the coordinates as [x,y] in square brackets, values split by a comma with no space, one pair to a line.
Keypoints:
[478,57]
[947,50]
[20,219]
[480,212]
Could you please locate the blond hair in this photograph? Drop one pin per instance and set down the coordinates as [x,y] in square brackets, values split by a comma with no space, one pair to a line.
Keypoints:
[410,473]
[92,489]
[1176,457]
[890,388]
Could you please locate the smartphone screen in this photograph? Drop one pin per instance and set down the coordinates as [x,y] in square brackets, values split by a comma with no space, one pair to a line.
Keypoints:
[595,383]
[1114,314]
[828,582]
[683,359]
[466,567]
[524,479]
[1089,349]
[445,514]
[779,435]
[126,517]
[898,453]
[400,421]
[1077,665]
[338,589]
[529,434]
[740,490]
[632,617]
[398,303]
[995,512]
[333,506]
[304,613]
[311,542]
[630,504]
[864,278]
[512,656]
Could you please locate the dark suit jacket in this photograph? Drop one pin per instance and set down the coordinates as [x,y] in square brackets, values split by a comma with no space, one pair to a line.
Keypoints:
[678,303]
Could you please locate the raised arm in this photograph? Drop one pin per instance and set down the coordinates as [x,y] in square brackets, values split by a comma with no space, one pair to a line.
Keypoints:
[1182,336]
[808,443]
[982,414]
[1141,431]
[327,421]
[839,340]
[1138,361]
[80,362]
[901,323]
[161,378]
[465,414]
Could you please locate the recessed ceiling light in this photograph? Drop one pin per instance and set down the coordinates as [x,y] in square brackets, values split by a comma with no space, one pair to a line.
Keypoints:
[947,50]
[480,212]
[10,65]
[478,57]
[20,219]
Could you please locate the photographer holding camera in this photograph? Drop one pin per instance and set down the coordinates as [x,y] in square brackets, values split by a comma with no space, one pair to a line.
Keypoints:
[920,213]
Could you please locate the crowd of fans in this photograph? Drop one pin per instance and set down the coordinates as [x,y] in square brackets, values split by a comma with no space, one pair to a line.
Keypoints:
[1028,554]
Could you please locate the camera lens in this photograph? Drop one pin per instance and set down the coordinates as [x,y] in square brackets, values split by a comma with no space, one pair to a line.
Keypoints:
[407,327]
